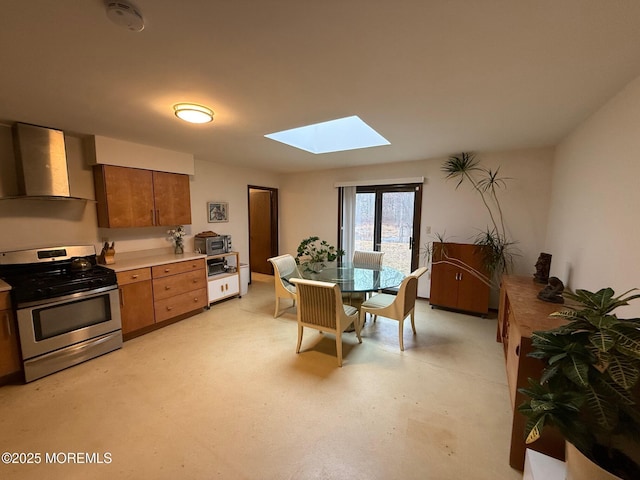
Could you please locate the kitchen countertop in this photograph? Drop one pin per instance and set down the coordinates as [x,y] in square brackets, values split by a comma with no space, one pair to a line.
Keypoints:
[149,258]
[4,286]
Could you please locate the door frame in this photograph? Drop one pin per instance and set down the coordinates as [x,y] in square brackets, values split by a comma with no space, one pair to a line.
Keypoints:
[378,190]
[274,219]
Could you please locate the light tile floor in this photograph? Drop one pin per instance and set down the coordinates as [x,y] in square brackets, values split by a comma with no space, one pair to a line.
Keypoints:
[223,395]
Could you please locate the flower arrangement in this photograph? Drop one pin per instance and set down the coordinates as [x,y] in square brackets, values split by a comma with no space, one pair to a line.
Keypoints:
[313,252]
[176,235]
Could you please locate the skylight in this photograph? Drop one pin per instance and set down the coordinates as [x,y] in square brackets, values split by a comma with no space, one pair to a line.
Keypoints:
[347,133]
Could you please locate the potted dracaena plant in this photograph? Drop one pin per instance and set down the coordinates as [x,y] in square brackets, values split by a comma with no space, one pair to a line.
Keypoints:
[498,250]
[589,389]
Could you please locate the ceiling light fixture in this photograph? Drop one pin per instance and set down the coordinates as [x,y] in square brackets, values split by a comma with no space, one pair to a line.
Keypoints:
[193,113]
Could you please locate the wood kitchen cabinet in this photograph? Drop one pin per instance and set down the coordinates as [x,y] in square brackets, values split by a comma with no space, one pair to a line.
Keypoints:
[136,299]
[179,288]
[134,197]
[172,198]
[10,362]
[453,285]
[520,314]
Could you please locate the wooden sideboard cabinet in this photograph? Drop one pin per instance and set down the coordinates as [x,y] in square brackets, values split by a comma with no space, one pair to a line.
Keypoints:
[10,361]
[136,299]
[520,314]
[452,283]
[134,197]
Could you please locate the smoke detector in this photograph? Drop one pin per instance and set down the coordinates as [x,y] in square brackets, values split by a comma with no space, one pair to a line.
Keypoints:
[124,14]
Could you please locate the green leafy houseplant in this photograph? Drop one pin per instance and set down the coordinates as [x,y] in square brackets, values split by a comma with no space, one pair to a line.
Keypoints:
[313,253]
[498,248]
[589,388]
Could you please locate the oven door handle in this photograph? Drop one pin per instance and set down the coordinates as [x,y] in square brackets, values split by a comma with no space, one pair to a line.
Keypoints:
[59,300]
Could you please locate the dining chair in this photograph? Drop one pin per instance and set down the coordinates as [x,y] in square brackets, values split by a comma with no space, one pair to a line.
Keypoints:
[396,307]
[320,307]
[362,258]
[284,265]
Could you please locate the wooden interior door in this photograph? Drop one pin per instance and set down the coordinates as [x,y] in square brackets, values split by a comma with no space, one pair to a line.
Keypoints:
[263,235]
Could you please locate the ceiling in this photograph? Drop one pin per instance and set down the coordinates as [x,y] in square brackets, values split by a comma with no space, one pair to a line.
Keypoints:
[433,77]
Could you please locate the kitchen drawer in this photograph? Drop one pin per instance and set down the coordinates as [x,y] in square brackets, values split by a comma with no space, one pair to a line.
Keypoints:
[179,304]
[177,267]
[131,276]
[166,287]
[5,301]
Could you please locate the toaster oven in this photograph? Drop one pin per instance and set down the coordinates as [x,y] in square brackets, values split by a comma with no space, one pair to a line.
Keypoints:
[213,245]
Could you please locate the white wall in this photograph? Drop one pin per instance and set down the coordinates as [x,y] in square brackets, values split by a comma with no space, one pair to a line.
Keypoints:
[223,183]
[43,223]
[309,202]
[593,226]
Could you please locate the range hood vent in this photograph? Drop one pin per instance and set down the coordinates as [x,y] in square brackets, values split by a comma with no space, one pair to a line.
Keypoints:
[40,163]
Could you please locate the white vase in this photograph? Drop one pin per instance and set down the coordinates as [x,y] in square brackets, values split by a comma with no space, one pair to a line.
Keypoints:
[580,467]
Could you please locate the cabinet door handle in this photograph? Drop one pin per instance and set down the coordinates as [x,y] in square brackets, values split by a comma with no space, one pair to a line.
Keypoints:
[167,287]
[133,277]
[195,299]
[222,288]
[121,297]
[195,280]
[8,320]
[167,270]
[169,308]
[460,278]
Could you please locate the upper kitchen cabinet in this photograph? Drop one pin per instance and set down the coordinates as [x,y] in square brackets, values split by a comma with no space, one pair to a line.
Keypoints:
[172,198]
[134,197]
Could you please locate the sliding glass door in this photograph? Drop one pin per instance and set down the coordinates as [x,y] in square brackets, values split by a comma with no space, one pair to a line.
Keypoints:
[387,219]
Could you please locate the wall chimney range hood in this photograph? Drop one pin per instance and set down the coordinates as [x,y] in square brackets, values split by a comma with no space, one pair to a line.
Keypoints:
[40,163]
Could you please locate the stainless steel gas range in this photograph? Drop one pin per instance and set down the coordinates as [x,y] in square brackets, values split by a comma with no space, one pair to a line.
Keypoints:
[67,307]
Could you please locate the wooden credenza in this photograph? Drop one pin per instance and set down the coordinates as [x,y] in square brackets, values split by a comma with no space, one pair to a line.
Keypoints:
[520,314]
[453,283]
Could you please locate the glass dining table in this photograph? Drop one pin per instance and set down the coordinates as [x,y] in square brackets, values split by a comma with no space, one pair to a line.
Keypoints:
[352,278]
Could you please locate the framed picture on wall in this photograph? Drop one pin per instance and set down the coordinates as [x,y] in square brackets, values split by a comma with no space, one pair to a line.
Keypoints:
[218,212]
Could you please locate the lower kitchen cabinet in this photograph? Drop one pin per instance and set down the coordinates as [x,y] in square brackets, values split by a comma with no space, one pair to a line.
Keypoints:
[10,362]
[179,288]
[223,286]
[152,295]
[136,299]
